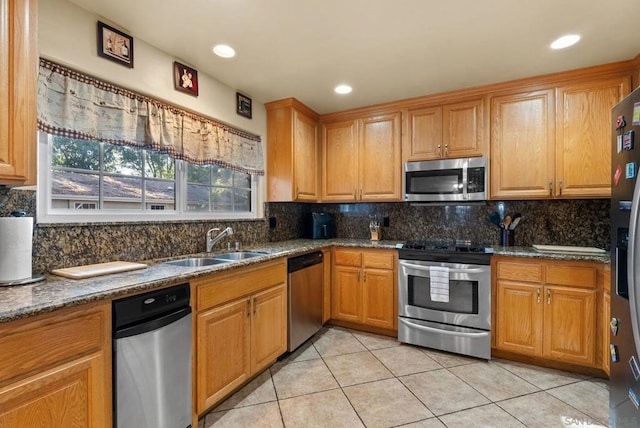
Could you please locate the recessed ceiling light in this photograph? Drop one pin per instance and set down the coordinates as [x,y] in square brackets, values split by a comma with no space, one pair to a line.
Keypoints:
[565,41]
[343,89]
[225,51]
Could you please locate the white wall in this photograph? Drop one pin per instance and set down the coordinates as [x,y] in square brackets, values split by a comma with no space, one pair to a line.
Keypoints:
[67,35]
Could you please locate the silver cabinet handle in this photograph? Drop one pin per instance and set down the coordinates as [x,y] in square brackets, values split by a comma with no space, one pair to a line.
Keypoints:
[560,186]
[538,294]
[248,308]
[550,187]
[548,296]
[446,150]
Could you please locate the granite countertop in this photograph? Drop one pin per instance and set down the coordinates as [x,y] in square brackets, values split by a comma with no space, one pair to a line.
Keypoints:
[57,292]
[533,253]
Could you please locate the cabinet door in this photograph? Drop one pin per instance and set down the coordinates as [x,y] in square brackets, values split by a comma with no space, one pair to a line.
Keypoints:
[606,318]
[522,145]
[223,343]
[305,157]
[339,161]
[583,137]
[424,134]
[378,298]
[519,319]
[463,126]
[380,163]
[569,325]
[346,294]
[73,395]
[18,77]
[268,327]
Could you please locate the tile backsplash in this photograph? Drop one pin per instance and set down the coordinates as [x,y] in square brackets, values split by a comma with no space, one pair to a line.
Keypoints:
[559,222]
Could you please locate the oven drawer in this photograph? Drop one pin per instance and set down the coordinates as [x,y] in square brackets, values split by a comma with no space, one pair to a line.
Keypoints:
[461,340]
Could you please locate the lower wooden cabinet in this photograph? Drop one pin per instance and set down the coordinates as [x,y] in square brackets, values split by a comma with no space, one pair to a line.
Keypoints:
[547,308]
[606,318]
[55,370]
[241,328]
[364,287]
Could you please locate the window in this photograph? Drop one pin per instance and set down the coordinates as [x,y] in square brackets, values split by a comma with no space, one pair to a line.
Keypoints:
[109,182]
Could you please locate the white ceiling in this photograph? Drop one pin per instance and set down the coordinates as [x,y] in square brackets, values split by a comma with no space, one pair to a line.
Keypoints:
[387,50]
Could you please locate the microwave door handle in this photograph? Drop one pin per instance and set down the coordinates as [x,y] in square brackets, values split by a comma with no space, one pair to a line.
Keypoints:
[465,182]
[439,331]
[426,268]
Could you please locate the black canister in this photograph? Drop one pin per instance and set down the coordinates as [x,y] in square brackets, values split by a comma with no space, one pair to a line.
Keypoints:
[507,237]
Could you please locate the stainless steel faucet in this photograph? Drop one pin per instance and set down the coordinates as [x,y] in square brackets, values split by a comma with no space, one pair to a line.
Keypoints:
[212,241]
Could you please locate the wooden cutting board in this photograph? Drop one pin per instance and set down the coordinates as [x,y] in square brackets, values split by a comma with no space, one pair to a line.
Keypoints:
[88,271]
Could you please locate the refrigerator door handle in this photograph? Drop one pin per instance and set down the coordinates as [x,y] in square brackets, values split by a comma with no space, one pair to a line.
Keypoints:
[634,244]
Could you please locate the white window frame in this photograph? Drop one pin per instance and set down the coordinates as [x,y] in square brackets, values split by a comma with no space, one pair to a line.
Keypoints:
[45,213]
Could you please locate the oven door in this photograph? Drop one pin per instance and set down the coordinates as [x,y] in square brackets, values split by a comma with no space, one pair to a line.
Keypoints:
[469,293]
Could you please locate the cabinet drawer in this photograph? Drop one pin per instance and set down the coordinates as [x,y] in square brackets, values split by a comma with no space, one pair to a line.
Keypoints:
[574,276]
[378,259]
[347,258]
[531,272]
[215,289]
[39,343]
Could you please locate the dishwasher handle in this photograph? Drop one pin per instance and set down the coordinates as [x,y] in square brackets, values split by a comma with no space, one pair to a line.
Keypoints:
[302,262]
[153,324]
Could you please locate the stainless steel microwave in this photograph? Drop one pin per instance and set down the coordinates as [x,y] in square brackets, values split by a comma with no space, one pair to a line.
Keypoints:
[446,180]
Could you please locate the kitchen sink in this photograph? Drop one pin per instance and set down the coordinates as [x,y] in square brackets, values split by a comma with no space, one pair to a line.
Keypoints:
[238,255]
[196,262]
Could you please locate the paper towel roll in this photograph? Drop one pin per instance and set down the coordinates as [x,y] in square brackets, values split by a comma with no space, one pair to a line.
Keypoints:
[15,248]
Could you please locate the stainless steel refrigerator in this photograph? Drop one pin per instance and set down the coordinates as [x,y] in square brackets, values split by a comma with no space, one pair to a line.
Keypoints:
[625,264]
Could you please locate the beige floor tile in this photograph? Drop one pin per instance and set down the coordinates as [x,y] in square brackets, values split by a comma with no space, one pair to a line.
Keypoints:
[322,409]
[490,416]
[442,392]
[336,342]
[201,423]
[493,381]
[259,390]
[427,423]
[448,359]
[375,341]
[351,369]
[305,352]
[603,383]
[545,411]
[301,378]
[265,415]
[405,359]
[587,397]
[542,377]
[386,403]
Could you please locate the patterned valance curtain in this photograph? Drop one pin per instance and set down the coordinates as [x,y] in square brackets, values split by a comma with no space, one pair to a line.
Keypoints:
[75,105]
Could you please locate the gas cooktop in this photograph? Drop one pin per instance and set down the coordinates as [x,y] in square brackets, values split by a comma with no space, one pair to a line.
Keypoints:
[442,250]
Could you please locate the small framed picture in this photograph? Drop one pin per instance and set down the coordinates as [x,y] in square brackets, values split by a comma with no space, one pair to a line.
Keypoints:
[185,79]
[243,105]
[115,45]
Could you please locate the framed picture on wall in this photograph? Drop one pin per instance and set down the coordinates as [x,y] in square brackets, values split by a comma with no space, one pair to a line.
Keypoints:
[243,105]
[115,45]
[185,79]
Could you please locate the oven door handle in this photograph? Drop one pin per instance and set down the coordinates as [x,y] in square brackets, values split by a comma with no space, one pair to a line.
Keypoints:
[440,331]
[426,268]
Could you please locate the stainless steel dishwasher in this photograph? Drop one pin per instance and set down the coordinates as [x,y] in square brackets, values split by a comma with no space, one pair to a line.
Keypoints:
[305,297]
[152,360]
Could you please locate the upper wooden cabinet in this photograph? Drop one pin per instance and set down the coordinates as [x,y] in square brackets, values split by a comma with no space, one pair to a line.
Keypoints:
[361,159]
[445,131]
[292,152]
[583,136]
[522,145]
[18,77]
[554,143]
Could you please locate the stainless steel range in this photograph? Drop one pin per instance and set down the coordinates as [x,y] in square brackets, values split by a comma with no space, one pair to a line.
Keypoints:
[444,296]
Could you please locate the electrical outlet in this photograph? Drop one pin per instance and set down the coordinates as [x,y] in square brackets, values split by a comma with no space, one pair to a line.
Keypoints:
[385,221]
[272,222]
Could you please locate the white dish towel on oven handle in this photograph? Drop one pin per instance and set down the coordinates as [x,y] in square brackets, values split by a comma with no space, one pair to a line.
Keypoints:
[439,283]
